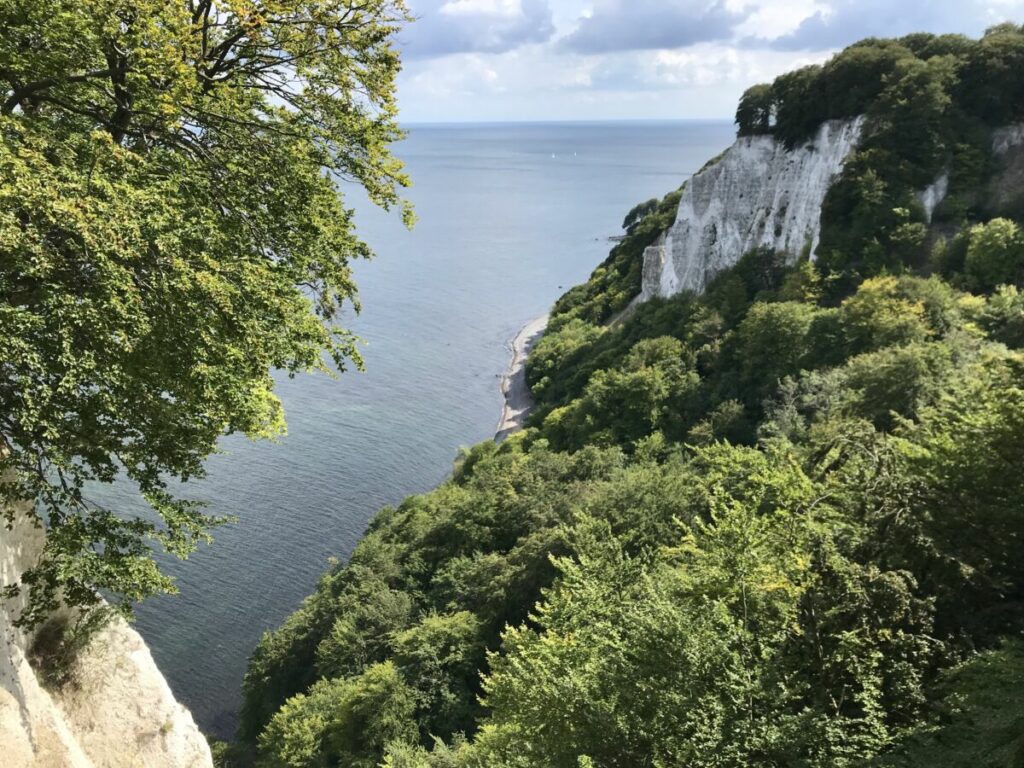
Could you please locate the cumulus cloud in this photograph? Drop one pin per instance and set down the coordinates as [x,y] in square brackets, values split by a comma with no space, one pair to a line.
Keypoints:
[841,22]
[446,27]
[562,59]
[706,65]
[623,25]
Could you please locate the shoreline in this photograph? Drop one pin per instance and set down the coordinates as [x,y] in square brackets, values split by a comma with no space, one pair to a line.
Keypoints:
[518,399]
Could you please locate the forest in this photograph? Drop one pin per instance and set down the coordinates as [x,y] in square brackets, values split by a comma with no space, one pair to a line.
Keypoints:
[776,524]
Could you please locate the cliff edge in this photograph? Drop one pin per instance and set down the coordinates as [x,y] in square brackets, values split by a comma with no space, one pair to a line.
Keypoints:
[116,712]
[761,193]
[758,193]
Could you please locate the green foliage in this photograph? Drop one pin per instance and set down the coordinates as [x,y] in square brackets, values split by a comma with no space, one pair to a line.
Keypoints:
[678,599]
[887,77]
[625,662]
[460,563]
[772,341]
[754,113]
[883,313]
[440,656]
[993,83]
[168,236]
[980,717]
[995,254]
[341,722]
[797,100]
[1003,316]
[772,524]
[638,213]
[614,284]
[966,451]
[619,406]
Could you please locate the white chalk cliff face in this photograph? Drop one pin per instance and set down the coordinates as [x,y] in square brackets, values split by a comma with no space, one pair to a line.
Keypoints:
[758,194]
[1007,138]
[119,712]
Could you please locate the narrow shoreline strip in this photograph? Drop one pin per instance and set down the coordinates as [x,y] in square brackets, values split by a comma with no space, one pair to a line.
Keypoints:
[518,399]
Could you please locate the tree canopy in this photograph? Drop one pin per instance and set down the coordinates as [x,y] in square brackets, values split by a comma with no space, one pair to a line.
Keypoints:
[171,231]
[858,79]
[744,528]
[778,523]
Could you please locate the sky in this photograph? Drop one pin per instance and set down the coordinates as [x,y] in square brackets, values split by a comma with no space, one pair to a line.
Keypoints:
[502,60]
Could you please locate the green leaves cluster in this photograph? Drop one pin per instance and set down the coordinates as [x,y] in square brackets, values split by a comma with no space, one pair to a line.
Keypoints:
[170,233]
[881,76]
[617,280]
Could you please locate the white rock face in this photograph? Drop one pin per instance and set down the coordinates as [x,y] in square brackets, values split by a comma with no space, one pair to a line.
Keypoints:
[119,713]
[758,194]
[1006,138]
[932,195]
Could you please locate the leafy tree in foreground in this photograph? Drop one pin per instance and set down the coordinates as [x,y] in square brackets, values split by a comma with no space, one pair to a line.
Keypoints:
[170,232]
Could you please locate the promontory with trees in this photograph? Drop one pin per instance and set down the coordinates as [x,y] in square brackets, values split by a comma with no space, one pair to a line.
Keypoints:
[777,524]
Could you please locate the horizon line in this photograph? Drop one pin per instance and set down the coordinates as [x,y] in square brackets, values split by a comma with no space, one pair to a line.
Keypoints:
[581,121]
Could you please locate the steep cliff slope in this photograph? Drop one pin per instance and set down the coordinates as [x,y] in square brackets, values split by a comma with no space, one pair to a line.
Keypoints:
[760,193]
[1007,186]
[116,712]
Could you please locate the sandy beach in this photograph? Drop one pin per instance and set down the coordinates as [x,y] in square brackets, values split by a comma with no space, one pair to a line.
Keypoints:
[518,400]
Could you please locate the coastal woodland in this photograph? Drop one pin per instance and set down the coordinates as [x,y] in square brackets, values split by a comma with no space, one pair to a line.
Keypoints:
[777,524]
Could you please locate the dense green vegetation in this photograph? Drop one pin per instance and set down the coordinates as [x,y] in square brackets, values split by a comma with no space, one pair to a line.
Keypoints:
[755,534]
[617,281]
[930,103]
[170,232]
[983,78]
[777,524]
[751,527]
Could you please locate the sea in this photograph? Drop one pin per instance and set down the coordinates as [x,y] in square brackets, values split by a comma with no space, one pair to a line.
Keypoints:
[509,217]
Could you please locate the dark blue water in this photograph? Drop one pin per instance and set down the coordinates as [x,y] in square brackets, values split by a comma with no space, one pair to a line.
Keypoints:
[509,217]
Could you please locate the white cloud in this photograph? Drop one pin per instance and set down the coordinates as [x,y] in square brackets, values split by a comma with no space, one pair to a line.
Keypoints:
[621,25]
[447,27]
[702,66]
[838,23]
[537,83]
[594,59]
[454,77]
[770,19]
[507,8]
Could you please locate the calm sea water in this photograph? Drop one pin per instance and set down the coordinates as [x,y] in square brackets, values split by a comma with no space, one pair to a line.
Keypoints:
[509,217]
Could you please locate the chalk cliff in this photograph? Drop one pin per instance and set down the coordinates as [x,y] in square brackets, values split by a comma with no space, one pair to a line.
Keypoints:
[117,713]
[759,193]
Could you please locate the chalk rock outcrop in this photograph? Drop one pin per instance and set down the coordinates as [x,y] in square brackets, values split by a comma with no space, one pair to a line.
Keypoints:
[117,713]
[759,193]
[1006,189]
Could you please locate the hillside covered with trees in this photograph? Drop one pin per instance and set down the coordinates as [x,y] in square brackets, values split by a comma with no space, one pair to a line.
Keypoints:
[776,524]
